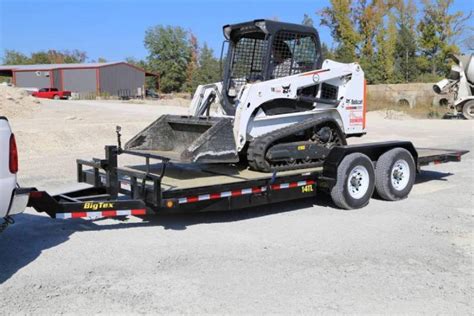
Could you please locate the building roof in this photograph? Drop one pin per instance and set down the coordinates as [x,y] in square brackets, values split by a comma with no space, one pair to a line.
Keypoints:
[66,66]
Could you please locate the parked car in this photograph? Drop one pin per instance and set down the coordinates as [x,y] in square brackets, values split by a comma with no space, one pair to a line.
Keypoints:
[52,93]
[13,200]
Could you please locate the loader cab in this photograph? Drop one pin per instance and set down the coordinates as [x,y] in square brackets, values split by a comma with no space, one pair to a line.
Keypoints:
[262,50]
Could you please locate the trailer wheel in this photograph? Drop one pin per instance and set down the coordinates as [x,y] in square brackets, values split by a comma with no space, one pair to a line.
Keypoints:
[355,182]
[395,174]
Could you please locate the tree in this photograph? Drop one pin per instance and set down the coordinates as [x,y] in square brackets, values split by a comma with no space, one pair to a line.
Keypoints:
[386,39]
[12,57]
[373,33]
[406,68]
[193,63]
[438,30]
[208,70]
[339,18]
[326,51]
[44,57]
[169,55]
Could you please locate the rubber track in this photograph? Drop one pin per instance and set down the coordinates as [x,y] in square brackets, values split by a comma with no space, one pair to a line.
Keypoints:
[259,146]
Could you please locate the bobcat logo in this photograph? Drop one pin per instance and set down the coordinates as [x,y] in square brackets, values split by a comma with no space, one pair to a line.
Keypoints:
[286,89]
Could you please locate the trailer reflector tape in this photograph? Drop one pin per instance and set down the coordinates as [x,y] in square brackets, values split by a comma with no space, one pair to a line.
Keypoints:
[204,197]
[100,214]
[226,194]
[246,191]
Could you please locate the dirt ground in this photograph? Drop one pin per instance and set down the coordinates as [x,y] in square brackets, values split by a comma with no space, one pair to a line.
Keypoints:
[412,256]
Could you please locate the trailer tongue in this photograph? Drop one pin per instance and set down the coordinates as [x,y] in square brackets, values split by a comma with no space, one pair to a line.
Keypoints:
[165,187]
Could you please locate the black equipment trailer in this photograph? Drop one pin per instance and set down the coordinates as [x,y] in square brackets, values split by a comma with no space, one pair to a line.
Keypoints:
[350,174]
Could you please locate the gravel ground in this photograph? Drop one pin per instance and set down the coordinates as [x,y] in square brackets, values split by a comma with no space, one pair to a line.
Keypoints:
[412,256]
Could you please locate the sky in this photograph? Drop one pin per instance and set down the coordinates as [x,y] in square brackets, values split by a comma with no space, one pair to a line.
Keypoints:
[115,30]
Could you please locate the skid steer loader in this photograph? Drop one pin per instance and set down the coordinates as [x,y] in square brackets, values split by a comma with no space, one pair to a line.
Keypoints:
[279,105]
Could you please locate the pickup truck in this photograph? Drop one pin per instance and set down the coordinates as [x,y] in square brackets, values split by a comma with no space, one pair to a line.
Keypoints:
[51,93]
[13,200]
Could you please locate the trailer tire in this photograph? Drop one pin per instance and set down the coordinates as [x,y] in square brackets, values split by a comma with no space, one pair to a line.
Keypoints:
[355,182]
[395,174]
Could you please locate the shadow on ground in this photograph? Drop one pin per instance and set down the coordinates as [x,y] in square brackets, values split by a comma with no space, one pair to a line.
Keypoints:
[427,175]
[24,241]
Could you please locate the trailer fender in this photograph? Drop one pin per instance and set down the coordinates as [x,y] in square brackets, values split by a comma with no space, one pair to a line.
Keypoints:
[372,150]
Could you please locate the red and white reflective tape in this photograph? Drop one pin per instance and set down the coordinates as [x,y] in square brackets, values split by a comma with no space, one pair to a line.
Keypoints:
[99,214]
[215,196]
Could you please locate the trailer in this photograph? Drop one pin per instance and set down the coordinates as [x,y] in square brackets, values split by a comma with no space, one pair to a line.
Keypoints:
[349,174]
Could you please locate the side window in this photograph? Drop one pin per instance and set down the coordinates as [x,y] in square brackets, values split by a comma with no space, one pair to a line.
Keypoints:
[54,89]
[43,90]
[247,61]
[293,53]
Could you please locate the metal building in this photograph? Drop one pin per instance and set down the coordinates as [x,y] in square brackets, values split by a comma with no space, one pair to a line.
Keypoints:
[112,78]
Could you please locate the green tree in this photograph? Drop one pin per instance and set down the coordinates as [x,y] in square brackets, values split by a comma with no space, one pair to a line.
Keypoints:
[339,18]
[326,52]
[12,57]
[371,26]
[208,70]
[438,29]
[169,55]
[386,40]
[406,68]
[192,64]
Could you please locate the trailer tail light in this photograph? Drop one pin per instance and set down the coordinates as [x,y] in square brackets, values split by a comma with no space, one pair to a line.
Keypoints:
[13,155]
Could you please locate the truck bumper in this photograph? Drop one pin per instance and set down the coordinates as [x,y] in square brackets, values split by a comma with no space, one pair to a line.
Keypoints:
[19,201]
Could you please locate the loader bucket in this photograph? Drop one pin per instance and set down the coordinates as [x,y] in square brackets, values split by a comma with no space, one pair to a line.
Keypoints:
[188,139]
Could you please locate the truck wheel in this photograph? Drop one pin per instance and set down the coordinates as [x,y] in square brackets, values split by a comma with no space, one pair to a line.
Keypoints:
[395,174]
[56,97]
[468,110]
[355,182]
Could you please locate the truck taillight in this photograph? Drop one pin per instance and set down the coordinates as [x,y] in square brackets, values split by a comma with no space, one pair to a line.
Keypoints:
[13,155]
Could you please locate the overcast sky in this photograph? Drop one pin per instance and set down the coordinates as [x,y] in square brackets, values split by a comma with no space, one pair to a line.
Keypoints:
[115,29]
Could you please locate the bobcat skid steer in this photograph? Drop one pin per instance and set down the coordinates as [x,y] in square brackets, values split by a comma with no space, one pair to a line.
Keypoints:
[279,105]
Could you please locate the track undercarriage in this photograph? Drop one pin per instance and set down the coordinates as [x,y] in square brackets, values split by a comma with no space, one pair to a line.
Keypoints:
[303,145]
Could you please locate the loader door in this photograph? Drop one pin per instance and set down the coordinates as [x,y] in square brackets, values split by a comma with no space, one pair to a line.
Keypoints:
[293,53]
[247,61]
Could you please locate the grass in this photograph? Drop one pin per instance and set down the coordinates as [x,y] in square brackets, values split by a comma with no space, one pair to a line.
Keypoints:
[423,108]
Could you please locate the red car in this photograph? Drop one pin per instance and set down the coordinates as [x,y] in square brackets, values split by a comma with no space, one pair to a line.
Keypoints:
[52,93]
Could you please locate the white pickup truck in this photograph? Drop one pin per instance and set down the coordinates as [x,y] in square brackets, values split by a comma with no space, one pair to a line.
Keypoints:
[13,200]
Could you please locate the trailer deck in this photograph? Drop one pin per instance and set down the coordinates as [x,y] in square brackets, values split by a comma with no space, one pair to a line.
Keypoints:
[162,186]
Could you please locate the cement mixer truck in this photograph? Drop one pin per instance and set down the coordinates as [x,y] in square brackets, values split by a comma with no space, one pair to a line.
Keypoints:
[460,85]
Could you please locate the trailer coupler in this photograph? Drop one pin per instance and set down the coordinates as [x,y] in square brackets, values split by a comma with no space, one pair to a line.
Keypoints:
[81,204]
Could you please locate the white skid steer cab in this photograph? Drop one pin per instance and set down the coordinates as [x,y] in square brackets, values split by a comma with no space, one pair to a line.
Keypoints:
[280,106]
[459,85]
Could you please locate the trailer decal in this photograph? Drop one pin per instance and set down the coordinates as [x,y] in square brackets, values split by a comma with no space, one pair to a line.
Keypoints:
[100,214]
[215,196]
